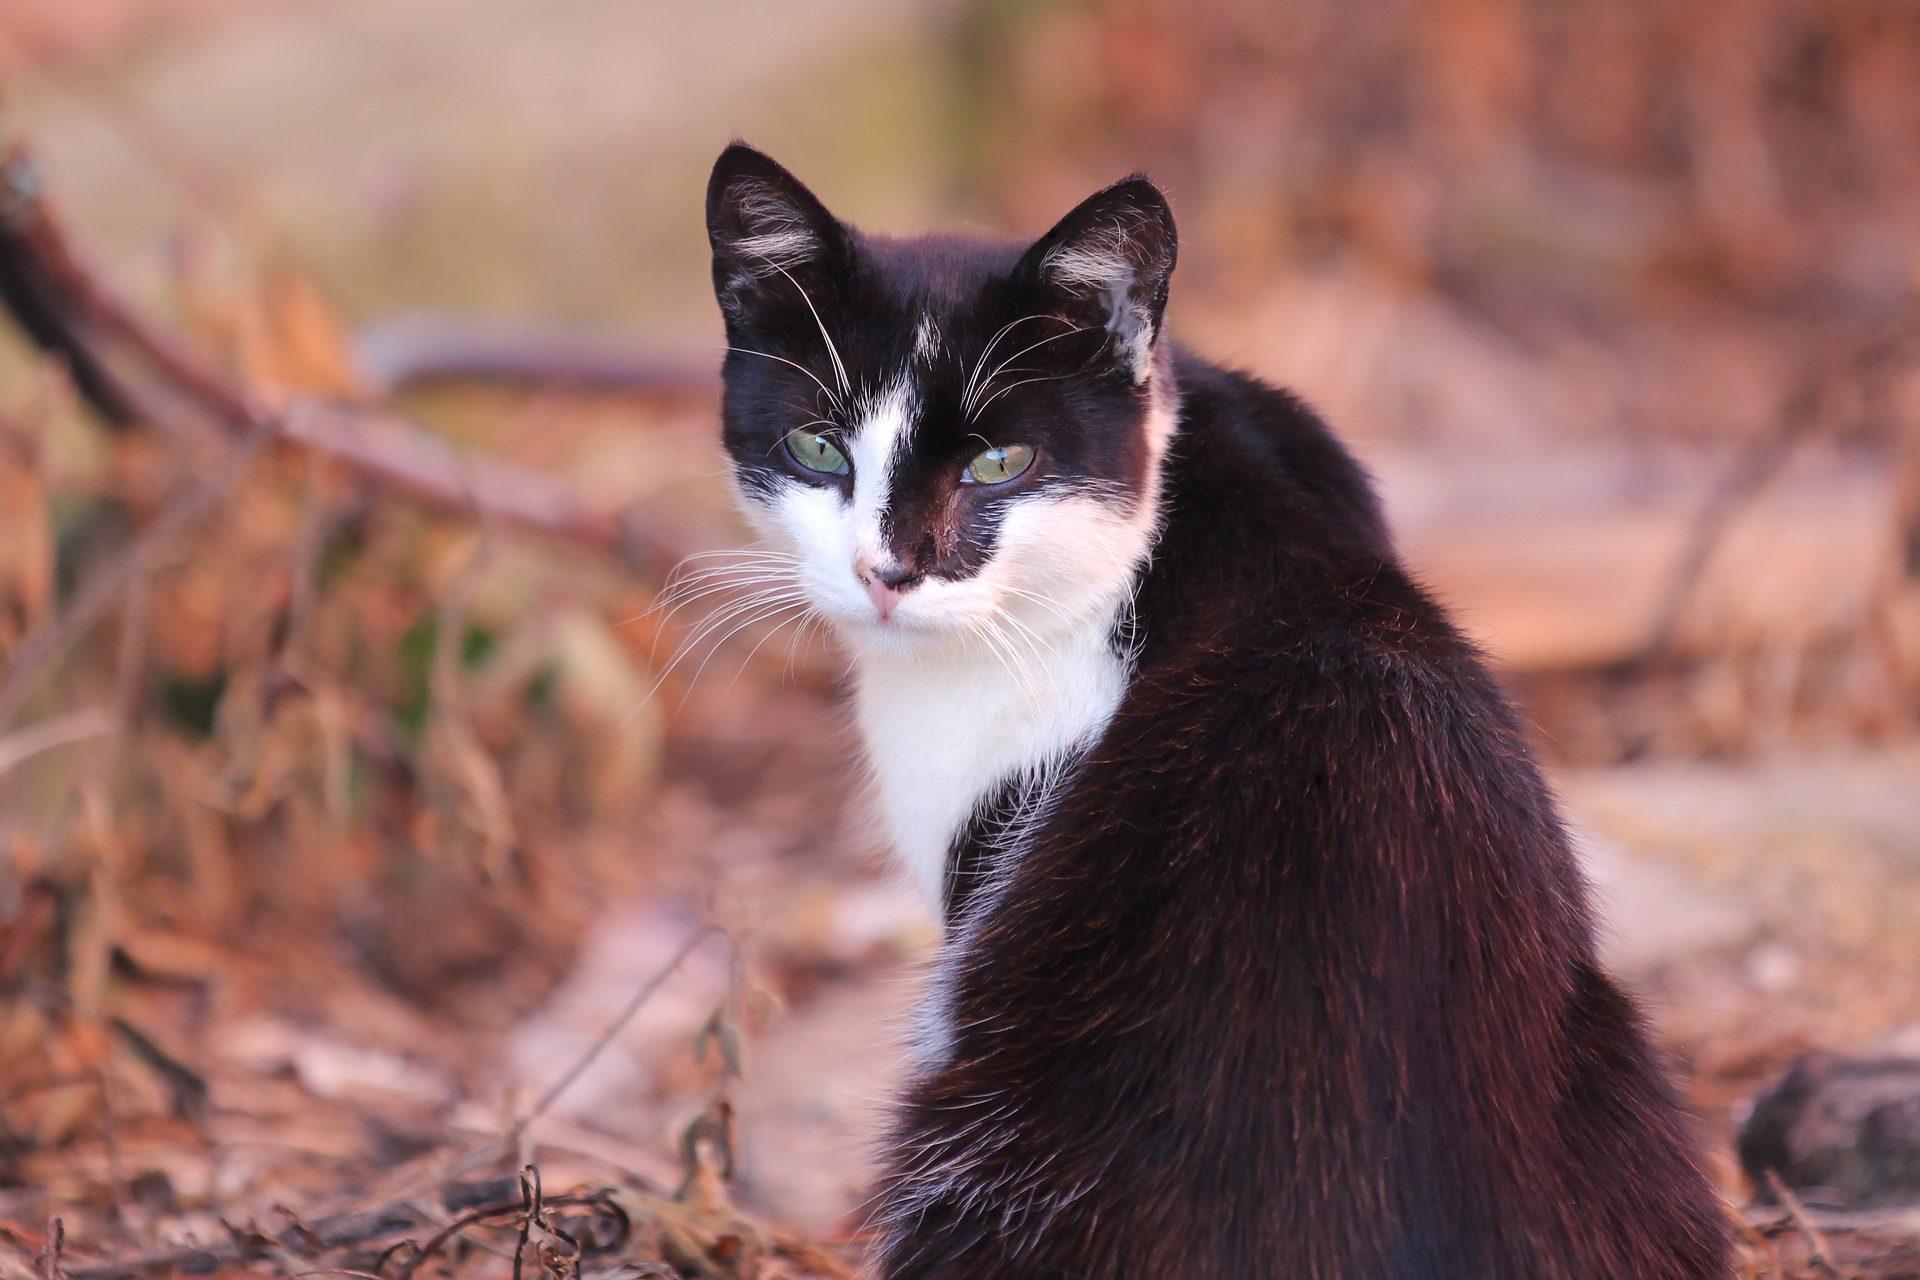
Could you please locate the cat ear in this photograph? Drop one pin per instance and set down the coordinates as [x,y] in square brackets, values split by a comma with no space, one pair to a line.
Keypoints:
[1106,266]
[769,233]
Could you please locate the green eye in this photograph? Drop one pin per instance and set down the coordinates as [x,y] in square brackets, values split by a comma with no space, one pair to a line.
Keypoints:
[816,452]
[997,466]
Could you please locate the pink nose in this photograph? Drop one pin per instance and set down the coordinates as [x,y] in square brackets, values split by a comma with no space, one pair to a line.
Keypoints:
[885,598]
[885,587]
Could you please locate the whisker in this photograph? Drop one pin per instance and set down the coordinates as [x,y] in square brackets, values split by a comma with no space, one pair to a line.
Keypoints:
[712,584]
[734,606]
[805,612]
[966,393]
[763,615]
[749,351]
[1001,367]
[833,352]
[1044,602]
[724,618]
[1008,658]
[1010,386]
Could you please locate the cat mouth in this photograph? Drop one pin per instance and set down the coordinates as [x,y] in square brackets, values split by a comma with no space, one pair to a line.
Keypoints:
[902,618]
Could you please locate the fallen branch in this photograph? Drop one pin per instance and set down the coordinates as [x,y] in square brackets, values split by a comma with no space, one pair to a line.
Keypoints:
[1868,368]
[387,448]
[67,311]
[56,1242]
[399,351]
[343,1231]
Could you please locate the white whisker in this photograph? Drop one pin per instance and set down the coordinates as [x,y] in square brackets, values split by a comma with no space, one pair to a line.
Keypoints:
[831,396]
[1001,367]
[986,352]
[833,352]
[1054,377]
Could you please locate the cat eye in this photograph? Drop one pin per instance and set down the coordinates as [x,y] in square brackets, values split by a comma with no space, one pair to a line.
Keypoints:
[997,466]
[816,452]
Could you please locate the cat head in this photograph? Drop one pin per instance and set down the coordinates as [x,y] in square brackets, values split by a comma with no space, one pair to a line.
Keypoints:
[947,440]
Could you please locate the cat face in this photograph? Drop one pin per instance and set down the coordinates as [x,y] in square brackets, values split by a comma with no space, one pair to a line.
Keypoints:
[944,440]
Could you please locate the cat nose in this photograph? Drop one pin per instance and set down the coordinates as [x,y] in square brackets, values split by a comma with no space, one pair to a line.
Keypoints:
[886,586]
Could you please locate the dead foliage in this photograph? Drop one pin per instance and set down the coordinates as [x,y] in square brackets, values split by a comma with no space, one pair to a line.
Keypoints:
[322,739]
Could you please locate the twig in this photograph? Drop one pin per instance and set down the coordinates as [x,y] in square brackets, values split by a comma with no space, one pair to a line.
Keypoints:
[1756,1238]
[56,1245]
[1757,463]
[400,350]
[35,234]
[530,1209]
[602,1201]
[1816,1243]
[640,997]
[307,546]
[386,448]
[187,1087]
[360,1228]
[52,637]
[136,616]
[1869,366]
[56,732]
[34,289]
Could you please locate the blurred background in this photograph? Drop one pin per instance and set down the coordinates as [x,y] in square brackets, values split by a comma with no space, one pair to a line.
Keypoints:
[357,769]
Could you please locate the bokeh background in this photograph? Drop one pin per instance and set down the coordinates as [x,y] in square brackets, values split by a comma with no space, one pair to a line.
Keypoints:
[342,833]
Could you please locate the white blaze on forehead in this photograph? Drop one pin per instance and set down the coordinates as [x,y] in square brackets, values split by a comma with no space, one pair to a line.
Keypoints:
[877,442]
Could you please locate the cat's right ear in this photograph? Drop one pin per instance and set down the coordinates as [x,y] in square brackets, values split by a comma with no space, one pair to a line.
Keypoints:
[770,235]
[1106,266]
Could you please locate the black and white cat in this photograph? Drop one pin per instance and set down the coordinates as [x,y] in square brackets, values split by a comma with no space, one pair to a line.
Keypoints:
[1265,955]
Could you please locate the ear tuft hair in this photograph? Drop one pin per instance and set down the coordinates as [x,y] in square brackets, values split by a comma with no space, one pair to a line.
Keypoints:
[765,227]
[1108,263]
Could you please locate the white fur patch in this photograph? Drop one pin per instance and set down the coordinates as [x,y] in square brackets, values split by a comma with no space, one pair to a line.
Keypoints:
[1099,264]
[877,441]
[942,730]
[926,340]
[971,681]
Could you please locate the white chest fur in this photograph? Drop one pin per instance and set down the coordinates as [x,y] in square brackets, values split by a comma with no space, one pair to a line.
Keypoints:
[941,731]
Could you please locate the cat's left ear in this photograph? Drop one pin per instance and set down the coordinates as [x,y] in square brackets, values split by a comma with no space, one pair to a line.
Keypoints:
[1106,266]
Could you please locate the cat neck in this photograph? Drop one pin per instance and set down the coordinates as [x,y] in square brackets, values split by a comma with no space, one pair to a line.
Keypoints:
[942,730]
[945,726]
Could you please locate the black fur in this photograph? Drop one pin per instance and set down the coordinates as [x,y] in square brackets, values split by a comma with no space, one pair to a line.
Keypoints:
[1293,976]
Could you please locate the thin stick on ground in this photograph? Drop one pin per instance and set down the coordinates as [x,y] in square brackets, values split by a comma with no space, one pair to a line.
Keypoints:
[70,312]
[640,998]
[1820,1255]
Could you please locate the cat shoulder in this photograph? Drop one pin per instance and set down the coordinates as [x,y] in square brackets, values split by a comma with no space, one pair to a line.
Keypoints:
[1272,438]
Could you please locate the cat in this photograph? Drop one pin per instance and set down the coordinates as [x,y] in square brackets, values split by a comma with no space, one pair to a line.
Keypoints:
[1264,951]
